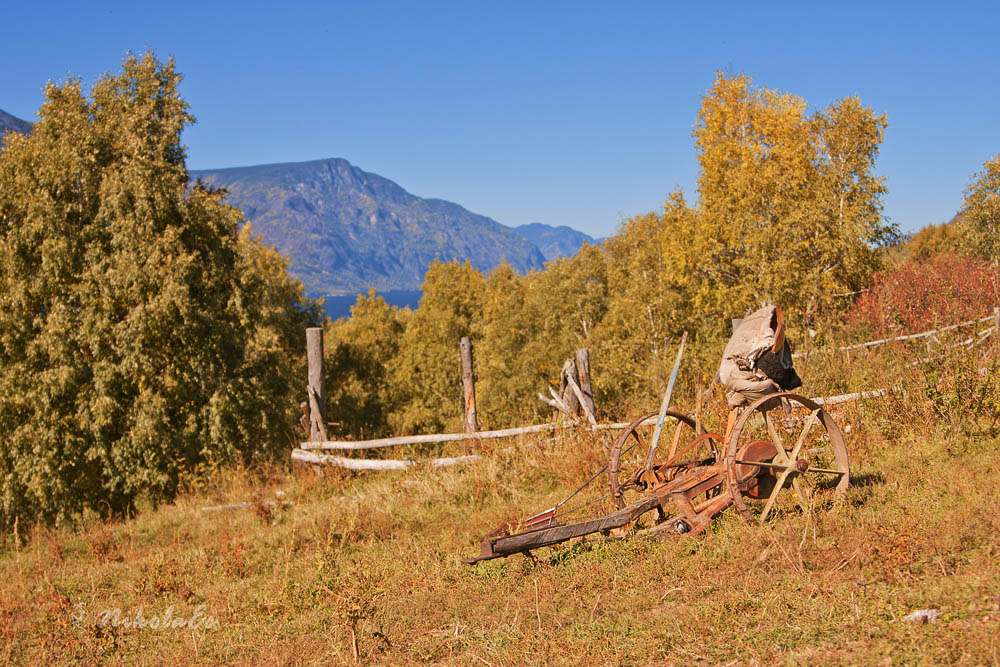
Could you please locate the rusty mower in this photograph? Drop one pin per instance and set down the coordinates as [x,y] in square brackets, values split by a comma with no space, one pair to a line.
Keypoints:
[768,458]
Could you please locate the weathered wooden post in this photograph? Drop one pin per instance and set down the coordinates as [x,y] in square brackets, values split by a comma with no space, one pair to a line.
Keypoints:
[569,375]
[583,369]
[469,385]
[317,386]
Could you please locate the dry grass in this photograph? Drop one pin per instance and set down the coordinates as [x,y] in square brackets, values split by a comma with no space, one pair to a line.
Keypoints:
[376,559]
[371,563]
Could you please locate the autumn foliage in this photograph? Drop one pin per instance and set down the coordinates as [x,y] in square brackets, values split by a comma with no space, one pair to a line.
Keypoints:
[788,211]
[144,338]
[923,295]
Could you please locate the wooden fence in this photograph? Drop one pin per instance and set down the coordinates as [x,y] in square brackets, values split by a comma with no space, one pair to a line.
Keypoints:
[576,392]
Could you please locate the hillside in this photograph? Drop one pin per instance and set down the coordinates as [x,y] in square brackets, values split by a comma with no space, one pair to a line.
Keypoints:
[13,124]
[345,229]
[366,569]
[554,242]
[934,240]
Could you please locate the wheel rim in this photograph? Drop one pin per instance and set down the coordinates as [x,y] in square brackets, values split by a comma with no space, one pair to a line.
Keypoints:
[810,459]
[629,451]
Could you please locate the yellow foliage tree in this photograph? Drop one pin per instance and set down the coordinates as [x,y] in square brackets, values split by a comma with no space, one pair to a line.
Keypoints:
[982,212]
[790,210]
[530,325]
[427,370]
[933,241]
[358,350]
[647,306]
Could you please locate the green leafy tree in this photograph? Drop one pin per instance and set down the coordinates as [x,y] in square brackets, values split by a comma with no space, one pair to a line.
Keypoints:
[530,325]
[427,371]
[502,368]
[139,335]
[646,308]
[272,308]
[359,350]
[568,300]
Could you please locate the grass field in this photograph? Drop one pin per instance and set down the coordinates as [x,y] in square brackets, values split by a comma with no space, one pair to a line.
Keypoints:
[372,563]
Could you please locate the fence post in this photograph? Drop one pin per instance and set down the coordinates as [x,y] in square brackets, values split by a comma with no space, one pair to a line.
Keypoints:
[317,385]
[566,394]
[996,327]
[469,385]
[583,369]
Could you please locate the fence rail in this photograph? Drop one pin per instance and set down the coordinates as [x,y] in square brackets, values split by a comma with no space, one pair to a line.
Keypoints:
[883,341]
[377,464]
[455,437]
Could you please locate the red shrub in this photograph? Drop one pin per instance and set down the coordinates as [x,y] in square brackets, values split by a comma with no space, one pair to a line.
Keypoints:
[923,295]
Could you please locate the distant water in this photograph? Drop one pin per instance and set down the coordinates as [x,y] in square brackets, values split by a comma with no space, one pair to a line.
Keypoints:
[339,305]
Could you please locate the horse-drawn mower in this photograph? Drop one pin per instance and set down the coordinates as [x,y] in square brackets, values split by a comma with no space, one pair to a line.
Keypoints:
[779,450]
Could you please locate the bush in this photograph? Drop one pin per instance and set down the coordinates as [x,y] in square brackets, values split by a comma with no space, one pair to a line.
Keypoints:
[923,295]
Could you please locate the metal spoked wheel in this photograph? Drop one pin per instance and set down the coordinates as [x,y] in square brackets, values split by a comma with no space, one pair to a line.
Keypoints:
[802,450]
[680,442]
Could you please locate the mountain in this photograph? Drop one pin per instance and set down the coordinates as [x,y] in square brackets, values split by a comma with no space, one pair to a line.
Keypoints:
[8,122]
[344,229]
[554,242]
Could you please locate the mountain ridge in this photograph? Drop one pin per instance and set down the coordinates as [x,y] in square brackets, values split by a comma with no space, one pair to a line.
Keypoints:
[555,242]
[13,124]
[346,229]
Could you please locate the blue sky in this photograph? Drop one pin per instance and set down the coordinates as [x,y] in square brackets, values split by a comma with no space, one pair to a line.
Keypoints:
[573,114]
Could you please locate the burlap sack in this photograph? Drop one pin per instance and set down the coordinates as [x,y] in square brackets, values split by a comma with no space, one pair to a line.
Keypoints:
[738,374]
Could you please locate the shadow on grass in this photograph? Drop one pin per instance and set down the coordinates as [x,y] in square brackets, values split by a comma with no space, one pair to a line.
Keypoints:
[866,479]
